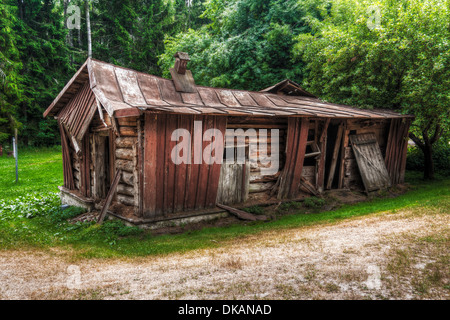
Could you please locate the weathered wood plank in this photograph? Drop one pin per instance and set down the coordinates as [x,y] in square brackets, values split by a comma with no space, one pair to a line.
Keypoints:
[150,165]
[242,214]
[124,154]
[109,197]
[370,162]
[344,145]
[125,142]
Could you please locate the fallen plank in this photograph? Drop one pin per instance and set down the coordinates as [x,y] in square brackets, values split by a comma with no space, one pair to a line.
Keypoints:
[242,214]
[309,187]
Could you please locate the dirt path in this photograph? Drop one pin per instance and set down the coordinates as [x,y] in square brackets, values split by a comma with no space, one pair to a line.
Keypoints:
[396,256]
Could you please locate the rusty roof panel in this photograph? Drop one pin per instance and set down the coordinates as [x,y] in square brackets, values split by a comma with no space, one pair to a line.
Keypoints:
[129,87]
[106,81]
[192,98]
[168,92]
[319,105]
[118,88]
[227,98]
[150,89]
[209,97]
[244,98]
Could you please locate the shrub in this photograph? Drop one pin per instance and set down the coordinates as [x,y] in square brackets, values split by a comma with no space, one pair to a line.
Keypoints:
[441,158]
[29,206]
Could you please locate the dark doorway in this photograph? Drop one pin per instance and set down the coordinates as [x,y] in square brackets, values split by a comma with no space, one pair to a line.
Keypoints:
[332,137]
[101,161]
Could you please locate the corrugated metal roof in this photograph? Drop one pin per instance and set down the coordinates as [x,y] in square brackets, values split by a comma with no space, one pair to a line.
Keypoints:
[118,88]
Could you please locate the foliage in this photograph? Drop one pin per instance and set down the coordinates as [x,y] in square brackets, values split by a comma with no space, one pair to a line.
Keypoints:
[28,206]
[37,31]
[57,214]
[285,206]
[314,202]
[10,78]
[441,158]
[254,210]
[404,63]
[247,45]
[39,54]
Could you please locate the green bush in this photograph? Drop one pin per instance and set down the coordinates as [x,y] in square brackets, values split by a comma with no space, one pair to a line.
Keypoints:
[28,206]
[441,158]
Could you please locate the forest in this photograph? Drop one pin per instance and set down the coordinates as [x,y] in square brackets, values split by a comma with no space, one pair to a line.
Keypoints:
[388,54]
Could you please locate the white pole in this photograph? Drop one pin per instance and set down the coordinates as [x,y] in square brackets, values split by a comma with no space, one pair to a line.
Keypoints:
[16,156]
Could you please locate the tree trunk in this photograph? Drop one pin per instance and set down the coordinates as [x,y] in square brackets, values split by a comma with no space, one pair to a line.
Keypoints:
[428,172]
[21,5]
[88,24]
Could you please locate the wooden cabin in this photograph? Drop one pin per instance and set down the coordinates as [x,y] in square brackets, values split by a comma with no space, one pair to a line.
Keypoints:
[117,129]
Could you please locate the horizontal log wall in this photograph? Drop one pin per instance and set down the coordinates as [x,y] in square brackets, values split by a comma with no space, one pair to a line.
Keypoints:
[258,181]
[126,155]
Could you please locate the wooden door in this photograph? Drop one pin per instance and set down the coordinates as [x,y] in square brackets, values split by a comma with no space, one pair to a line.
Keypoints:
[370,162]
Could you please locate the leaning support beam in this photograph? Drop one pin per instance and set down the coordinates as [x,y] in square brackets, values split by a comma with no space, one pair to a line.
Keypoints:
[109,197]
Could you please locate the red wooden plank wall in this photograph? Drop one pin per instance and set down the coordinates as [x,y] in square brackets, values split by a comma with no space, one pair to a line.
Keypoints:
[297,136]
[170,188]
[396,150]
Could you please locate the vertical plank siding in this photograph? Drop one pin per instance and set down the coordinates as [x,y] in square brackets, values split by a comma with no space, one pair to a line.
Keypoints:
[297,136]
[170,188]
[396,149]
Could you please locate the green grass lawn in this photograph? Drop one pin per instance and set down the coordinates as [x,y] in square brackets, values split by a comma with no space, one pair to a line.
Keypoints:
[30,216]
[40,170]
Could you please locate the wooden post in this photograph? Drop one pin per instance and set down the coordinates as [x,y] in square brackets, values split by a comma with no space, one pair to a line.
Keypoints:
[16,155]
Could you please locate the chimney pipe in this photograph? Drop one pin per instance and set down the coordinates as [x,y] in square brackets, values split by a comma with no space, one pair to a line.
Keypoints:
[181,60]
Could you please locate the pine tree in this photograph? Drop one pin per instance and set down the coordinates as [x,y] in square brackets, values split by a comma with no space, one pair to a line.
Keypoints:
[10,79]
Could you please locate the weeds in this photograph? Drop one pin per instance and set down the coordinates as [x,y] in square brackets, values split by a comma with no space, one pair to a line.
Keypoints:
[314,202]
[254,210]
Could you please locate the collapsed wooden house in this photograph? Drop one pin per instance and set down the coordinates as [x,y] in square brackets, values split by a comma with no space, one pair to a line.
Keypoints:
[117,129]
